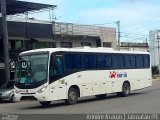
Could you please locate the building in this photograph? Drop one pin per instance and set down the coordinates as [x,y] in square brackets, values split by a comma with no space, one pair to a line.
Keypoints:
[77,35]
[134,46]
[27,34]
[33,34]
[154,42]
[22,35]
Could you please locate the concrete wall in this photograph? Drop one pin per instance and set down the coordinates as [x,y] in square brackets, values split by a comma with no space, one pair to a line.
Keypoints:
[87,33]
[108,35]
[134,46]
[76,41]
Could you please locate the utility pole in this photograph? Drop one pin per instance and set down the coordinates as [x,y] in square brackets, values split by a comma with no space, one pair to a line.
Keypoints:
[5,40]
[118,26]
[158,38]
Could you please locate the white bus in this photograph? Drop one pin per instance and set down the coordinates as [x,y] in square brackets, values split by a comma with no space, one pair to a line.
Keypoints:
[70,73]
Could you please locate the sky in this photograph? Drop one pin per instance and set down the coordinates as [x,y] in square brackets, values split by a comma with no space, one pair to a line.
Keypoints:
[137,17]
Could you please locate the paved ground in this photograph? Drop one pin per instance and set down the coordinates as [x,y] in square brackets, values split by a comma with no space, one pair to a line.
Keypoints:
[144,101]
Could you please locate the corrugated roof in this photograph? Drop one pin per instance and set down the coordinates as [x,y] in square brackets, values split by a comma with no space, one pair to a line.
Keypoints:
[20,7]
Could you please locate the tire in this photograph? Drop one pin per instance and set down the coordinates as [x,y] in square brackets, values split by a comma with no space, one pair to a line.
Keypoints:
[45,104]
[72,96]
[101,96]
[125,90]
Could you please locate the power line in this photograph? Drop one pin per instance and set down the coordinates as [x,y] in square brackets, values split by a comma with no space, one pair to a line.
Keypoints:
[135,34]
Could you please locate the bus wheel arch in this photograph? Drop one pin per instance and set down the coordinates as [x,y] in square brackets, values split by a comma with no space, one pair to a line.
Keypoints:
[77,89]
[73,94]
[126,88]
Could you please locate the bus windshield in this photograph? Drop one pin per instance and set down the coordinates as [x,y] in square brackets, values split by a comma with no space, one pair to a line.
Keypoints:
[32,70]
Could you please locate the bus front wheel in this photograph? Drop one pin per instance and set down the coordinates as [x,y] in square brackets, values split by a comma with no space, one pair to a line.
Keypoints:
[45,104]
[125,90]
[72,96]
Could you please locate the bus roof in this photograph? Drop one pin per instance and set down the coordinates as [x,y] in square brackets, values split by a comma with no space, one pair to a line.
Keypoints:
[83,49]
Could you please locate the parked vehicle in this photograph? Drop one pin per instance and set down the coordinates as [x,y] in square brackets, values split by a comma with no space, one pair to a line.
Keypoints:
[7,92]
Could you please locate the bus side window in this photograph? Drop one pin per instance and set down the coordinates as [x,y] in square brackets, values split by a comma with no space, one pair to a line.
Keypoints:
[146,61]
[118,61]
[108,61]
[101,61]
[59,66]
[52,69]
[89,61]
[56,67]
[104,61]
[127,60]
[139,61]
[132,61]
[73,61]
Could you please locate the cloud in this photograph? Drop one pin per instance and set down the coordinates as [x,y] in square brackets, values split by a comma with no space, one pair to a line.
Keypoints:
[136,16]
[126,12]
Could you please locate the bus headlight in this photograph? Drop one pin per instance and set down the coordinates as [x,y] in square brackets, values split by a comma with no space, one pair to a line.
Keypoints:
[42,89]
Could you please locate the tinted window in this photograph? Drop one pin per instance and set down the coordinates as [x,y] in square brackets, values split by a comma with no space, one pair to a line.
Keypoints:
[104,61]
[56,67]
[139,61]
[101,61]
[127,59]
[73,61]
[89,61]
[146,60]
[68,61]
[132,61]
[118,61]
[108,61]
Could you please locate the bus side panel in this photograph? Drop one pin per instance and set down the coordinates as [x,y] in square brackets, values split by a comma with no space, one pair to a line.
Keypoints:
[58,90]
[140,78]
[94,82]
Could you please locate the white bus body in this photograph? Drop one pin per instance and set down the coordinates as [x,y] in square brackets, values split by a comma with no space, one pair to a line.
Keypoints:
[100,73]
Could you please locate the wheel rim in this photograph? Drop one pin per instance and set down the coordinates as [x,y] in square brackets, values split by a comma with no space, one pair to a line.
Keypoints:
[72,96]
[126,89]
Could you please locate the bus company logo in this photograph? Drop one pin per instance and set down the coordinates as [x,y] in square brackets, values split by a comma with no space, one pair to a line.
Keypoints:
[114,74]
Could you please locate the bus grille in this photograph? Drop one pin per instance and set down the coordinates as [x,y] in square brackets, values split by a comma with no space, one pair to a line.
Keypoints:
[28,98]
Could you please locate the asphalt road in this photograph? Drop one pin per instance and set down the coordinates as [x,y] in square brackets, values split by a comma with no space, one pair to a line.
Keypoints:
[143,101]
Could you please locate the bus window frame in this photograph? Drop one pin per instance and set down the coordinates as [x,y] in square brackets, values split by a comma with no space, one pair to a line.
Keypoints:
[61,56]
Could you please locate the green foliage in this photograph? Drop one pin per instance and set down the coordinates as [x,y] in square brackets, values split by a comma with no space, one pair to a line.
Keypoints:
[155,70]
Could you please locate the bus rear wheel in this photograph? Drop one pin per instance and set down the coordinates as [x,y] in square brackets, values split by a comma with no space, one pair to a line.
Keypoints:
[125,90]
[45,104]
[72,96]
